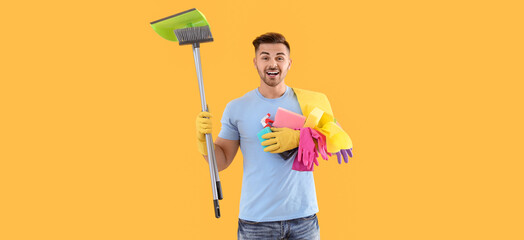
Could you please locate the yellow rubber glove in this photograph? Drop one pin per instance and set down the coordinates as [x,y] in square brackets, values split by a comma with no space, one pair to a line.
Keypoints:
[281,140]
[203,126]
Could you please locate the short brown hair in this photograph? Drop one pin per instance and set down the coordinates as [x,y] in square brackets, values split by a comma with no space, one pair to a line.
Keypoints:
[270,37]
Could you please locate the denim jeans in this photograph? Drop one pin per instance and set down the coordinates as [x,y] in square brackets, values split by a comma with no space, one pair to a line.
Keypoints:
[305,228]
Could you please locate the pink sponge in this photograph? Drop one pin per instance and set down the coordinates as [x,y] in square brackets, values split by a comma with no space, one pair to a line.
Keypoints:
[286,118]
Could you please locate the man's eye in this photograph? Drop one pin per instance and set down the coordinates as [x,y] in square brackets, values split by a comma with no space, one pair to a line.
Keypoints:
[280,58]
[264,58]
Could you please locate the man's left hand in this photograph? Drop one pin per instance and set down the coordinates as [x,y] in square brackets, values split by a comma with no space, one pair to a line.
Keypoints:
[281,140]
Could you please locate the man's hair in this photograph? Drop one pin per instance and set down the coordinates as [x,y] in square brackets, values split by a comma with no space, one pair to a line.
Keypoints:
[270,37]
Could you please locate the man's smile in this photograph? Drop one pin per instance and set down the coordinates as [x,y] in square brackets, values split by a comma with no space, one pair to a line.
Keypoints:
[272,73]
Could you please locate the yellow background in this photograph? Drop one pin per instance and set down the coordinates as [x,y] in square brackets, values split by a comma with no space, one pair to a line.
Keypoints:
[97,116]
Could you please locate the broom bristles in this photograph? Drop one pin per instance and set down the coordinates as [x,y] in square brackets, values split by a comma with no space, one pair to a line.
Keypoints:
[193,35]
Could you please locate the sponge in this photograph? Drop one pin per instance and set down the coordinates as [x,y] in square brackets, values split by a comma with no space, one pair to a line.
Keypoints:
[286,118]
[313,118]
[262,132]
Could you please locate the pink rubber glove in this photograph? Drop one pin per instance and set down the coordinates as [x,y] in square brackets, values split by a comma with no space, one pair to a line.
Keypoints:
[321,143]
[307,152]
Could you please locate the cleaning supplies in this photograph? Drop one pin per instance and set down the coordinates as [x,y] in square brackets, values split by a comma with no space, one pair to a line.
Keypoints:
[191,27]
[313,118]
[309,100]
[262,132]
[307,152]
[266,124]
[321,144]
[281,140]
[266,121]
[319,134]
[289,119]
[336,138]
[165,27]
[344,153]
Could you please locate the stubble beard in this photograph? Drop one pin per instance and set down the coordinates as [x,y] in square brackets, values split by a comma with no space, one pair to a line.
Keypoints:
[272,83]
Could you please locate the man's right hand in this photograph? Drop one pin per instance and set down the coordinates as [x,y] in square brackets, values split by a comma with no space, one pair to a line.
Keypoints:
[203,126]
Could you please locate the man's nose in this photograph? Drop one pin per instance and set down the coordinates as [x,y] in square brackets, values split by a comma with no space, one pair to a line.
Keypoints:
[273,63]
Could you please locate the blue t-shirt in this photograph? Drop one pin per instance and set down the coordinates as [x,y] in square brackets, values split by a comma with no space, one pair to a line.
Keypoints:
[271,191]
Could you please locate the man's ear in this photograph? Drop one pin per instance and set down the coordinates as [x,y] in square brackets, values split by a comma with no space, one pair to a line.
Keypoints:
[255,62]
[289,67]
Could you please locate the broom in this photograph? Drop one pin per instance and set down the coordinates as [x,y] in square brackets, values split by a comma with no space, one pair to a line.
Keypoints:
[191,27]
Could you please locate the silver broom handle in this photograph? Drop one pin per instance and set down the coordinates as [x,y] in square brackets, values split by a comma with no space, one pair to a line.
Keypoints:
[213,171]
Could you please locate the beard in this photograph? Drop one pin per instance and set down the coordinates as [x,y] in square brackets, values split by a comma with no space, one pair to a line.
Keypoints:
[271,82]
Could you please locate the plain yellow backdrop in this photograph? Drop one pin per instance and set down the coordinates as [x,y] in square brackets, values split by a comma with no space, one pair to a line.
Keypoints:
[97,116]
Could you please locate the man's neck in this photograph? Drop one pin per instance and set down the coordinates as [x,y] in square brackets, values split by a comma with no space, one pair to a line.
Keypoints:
[272,92]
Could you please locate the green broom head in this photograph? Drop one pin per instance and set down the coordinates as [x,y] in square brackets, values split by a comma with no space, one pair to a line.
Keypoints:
[186,27]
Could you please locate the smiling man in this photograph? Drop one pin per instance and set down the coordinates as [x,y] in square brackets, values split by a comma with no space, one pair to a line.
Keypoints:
[272,62]
[276,202]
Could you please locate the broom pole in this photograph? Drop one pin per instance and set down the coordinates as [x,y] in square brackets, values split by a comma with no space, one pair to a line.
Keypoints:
[213,171]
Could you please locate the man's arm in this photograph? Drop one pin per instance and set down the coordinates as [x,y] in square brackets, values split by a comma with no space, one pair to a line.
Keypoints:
[225,152]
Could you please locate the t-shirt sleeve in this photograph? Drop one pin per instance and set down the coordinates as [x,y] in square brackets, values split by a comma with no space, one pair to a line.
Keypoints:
[229,128]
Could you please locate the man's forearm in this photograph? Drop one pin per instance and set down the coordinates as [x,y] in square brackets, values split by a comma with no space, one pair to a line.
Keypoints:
[220,158]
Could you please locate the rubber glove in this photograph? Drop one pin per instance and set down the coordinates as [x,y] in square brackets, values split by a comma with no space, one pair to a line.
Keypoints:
[285,155]
[203,126]
[321,144]
[281,140]
[307,152]
[344,153]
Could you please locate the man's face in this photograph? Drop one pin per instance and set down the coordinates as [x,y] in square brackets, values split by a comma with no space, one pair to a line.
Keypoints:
[272,62]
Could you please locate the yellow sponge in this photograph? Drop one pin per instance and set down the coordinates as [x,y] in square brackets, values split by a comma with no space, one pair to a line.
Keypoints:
[313,118]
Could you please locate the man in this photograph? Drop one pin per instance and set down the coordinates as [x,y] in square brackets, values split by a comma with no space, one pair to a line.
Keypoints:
[276,202]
